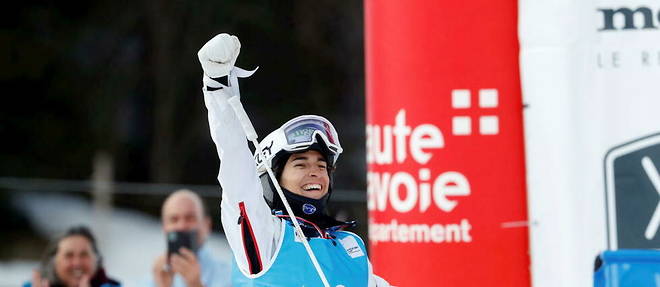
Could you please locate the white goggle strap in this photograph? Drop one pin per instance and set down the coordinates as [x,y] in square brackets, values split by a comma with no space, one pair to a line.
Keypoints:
[251,134]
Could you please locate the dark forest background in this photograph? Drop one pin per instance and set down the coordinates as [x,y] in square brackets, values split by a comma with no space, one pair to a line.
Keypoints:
[122,78]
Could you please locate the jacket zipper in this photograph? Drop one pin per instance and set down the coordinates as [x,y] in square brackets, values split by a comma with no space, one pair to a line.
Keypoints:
[249,241]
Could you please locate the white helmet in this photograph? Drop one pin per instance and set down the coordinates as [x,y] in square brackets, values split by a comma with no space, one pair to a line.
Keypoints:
[297,135]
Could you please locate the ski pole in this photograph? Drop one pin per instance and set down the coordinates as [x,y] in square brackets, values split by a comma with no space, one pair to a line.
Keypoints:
[251,134]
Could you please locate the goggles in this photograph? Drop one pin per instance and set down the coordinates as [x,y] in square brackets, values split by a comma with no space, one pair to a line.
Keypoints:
[303,133]
[299,134]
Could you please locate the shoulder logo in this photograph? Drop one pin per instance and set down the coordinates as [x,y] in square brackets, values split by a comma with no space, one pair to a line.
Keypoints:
[352,248]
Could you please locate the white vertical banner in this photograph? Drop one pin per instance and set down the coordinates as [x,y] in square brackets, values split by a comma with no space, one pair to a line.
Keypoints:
[590,73]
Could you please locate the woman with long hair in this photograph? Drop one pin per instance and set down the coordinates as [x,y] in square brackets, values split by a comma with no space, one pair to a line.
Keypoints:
[72,260]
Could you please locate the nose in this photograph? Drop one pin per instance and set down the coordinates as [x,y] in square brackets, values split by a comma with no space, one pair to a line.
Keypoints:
[181,225]
[315,171]
[76,261]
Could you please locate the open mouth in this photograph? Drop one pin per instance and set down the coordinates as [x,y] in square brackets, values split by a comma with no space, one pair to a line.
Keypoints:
[312,187]
[77,273]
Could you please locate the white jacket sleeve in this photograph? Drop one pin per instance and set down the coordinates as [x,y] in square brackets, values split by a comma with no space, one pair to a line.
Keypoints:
[246,218]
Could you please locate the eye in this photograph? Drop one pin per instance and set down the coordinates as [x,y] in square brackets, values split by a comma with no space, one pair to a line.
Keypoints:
[299,163]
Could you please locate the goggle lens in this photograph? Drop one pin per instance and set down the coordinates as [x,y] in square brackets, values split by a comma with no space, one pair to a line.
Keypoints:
[303,132]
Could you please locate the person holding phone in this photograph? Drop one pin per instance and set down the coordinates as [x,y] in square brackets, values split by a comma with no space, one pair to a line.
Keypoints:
[302,154]
[187,261]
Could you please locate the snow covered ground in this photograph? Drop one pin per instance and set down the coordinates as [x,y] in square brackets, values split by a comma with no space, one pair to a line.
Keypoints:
[128,240]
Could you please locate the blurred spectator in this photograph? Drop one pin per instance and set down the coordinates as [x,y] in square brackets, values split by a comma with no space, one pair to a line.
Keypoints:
[72,260]
[183,211]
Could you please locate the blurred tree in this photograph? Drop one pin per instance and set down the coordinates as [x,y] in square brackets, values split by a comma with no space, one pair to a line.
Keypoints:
[124,78]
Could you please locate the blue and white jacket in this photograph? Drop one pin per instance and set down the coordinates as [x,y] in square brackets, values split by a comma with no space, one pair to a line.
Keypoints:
[265,251]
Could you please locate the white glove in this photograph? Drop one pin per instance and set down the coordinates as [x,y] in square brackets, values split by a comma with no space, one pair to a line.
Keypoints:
[219,54]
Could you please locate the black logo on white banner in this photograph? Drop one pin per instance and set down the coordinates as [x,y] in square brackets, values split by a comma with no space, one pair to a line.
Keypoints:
[645,18]
[632,183]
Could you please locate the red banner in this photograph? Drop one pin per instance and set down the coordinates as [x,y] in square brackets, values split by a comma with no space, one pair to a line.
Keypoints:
[446,177]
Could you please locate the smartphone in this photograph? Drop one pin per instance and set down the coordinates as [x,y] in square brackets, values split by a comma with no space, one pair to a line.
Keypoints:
[178,239]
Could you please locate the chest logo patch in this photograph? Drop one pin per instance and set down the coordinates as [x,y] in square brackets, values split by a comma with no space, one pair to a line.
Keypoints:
[308,208]
[352,248]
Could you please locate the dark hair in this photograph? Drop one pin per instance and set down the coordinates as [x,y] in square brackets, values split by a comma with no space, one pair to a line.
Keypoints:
[47,267]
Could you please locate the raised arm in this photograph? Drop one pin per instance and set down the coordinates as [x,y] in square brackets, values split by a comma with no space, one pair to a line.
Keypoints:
[246,218]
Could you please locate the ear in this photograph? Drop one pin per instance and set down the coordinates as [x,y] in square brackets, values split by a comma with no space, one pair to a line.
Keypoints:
[205,229]
[208,224]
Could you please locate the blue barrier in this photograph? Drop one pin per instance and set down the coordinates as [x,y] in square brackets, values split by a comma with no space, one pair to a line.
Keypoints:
[628,268]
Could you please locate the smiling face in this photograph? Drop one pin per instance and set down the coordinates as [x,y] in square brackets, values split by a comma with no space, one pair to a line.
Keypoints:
[74,258]
[306,174]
